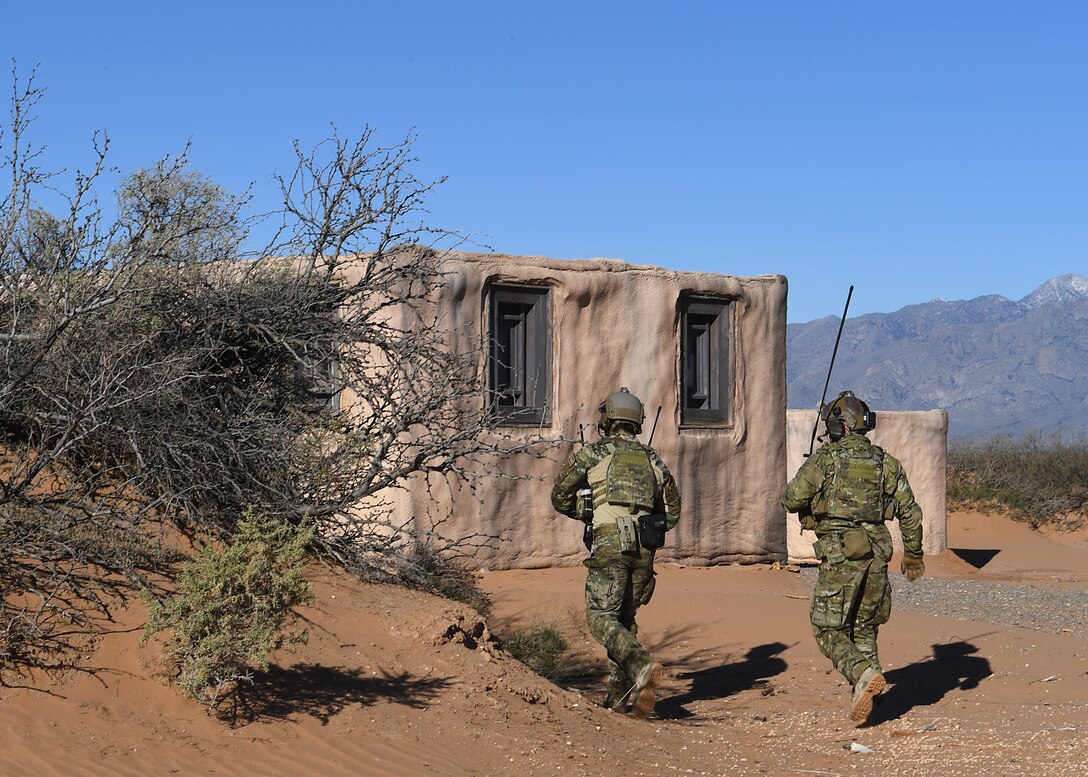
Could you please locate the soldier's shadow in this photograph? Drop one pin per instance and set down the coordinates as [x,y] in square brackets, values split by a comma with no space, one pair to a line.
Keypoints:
[717,682]
[952,666]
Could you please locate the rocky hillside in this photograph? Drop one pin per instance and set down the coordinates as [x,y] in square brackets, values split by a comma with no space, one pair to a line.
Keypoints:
[996,365]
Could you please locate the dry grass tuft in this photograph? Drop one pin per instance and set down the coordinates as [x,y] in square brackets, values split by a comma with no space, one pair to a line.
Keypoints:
[1037,479]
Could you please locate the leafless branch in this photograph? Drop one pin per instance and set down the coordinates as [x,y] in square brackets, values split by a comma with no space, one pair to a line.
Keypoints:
[153,370]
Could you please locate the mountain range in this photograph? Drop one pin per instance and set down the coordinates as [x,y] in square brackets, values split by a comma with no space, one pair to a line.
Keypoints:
[998,366]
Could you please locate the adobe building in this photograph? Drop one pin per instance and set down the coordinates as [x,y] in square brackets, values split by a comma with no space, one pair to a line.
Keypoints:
[708,349]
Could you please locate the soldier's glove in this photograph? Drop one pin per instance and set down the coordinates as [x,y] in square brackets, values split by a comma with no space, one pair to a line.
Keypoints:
[808,521]
[913,568]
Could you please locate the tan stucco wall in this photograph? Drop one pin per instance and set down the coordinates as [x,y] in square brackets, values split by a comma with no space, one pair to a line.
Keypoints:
[919,439]
[616,324]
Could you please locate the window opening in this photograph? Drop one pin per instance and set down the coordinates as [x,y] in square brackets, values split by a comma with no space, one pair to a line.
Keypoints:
[520,354]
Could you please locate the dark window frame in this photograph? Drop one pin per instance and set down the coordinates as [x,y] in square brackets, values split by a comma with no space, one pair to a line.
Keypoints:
[520,354]
[319,382]
[707,346]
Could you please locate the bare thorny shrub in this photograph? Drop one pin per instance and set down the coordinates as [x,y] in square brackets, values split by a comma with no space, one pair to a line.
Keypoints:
[1036,478]
[155,372]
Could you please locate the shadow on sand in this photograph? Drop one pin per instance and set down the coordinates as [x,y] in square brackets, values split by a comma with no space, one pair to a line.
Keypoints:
[976,557]
[322,692]
[952,666]
[717,682]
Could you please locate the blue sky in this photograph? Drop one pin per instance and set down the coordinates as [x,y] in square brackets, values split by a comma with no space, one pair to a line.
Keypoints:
[914,149]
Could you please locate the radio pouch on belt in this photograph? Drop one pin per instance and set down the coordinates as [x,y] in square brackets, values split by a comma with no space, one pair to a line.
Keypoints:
[651,530]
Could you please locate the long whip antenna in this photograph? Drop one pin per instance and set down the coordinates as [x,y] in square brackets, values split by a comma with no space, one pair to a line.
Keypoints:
[830,367]
[654,428]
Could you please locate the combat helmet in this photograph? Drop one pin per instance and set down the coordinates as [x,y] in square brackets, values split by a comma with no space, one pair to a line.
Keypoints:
[621,405]
[847,414]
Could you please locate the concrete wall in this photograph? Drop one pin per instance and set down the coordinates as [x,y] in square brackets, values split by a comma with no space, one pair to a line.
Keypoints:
[919,439]
[616,324]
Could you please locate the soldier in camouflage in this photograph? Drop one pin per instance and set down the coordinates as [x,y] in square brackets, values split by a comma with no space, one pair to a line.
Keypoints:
[627,479]
[846,491]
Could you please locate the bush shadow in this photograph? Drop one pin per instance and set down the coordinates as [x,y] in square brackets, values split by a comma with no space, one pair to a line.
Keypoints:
[322,692]
[952,666]
[722,680]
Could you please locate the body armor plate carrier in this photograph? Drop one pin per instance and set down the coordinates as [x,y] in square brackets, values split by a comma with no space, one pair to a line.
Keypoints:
[856,491]
[631,479]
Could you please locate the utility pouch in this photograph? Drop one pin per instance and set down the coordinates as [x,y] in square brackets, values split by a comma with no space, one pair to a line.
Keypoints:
[829,549]
[856,544]
[651,530]
[628,535]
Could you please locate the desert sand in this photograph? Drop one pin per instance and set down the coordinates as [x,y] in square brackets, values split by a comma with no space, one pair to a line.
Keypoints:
[395,682]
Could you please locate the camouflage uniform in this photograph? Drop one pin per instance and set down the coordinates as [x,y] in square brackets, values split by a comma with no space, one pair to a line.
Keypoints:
[851,487]
[627,479]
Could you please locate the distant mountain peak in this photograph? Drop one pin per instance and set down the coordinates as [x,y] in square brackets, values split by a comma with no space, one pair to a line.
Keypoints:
[1060,288]
[995,365]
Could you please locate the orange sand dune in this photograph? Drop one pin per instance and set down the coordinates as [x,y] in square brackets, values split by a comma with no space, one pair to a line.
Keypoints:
[395,682]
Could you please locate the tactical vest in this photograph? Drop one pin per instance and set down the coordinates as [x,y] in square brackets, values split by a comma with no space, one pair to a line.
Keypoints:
[630,481]
[856,489]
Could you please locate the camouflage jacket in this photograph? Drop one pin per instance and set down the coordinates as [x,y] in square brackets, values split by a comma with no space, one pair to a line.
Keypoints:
[630,490]
[851,482]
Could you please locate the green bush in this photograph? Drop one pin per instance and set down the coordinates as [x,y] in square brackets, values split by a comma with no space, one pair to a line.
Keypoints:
[1037,479]
[542,648]
[231,605]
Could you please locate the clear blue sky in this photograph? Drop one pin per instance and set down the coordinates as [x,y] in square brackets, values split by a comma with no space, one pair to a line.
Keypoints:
[915,149]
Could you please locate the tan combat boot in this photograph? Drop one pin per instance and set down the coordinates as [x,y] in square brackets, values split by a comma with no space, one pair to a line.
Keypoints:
[645,690]
[870,684]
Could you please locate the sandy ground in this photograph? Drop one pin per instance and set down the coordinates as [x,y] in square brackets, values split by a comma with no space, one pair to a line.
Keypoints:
[394,682]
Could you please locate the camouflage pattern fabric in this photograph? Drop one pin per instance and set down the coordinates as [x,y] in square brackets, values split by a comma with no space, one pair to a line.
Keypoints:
[616,583]
[809,491]
[855,490]
[590,466]
[851,600]
[623,474]
[852,597]
[631,479]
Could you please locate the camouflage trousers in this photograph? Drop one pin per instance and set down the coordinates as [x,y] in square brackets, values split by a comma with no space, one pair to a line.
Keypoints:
[616,584]
[850,602]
